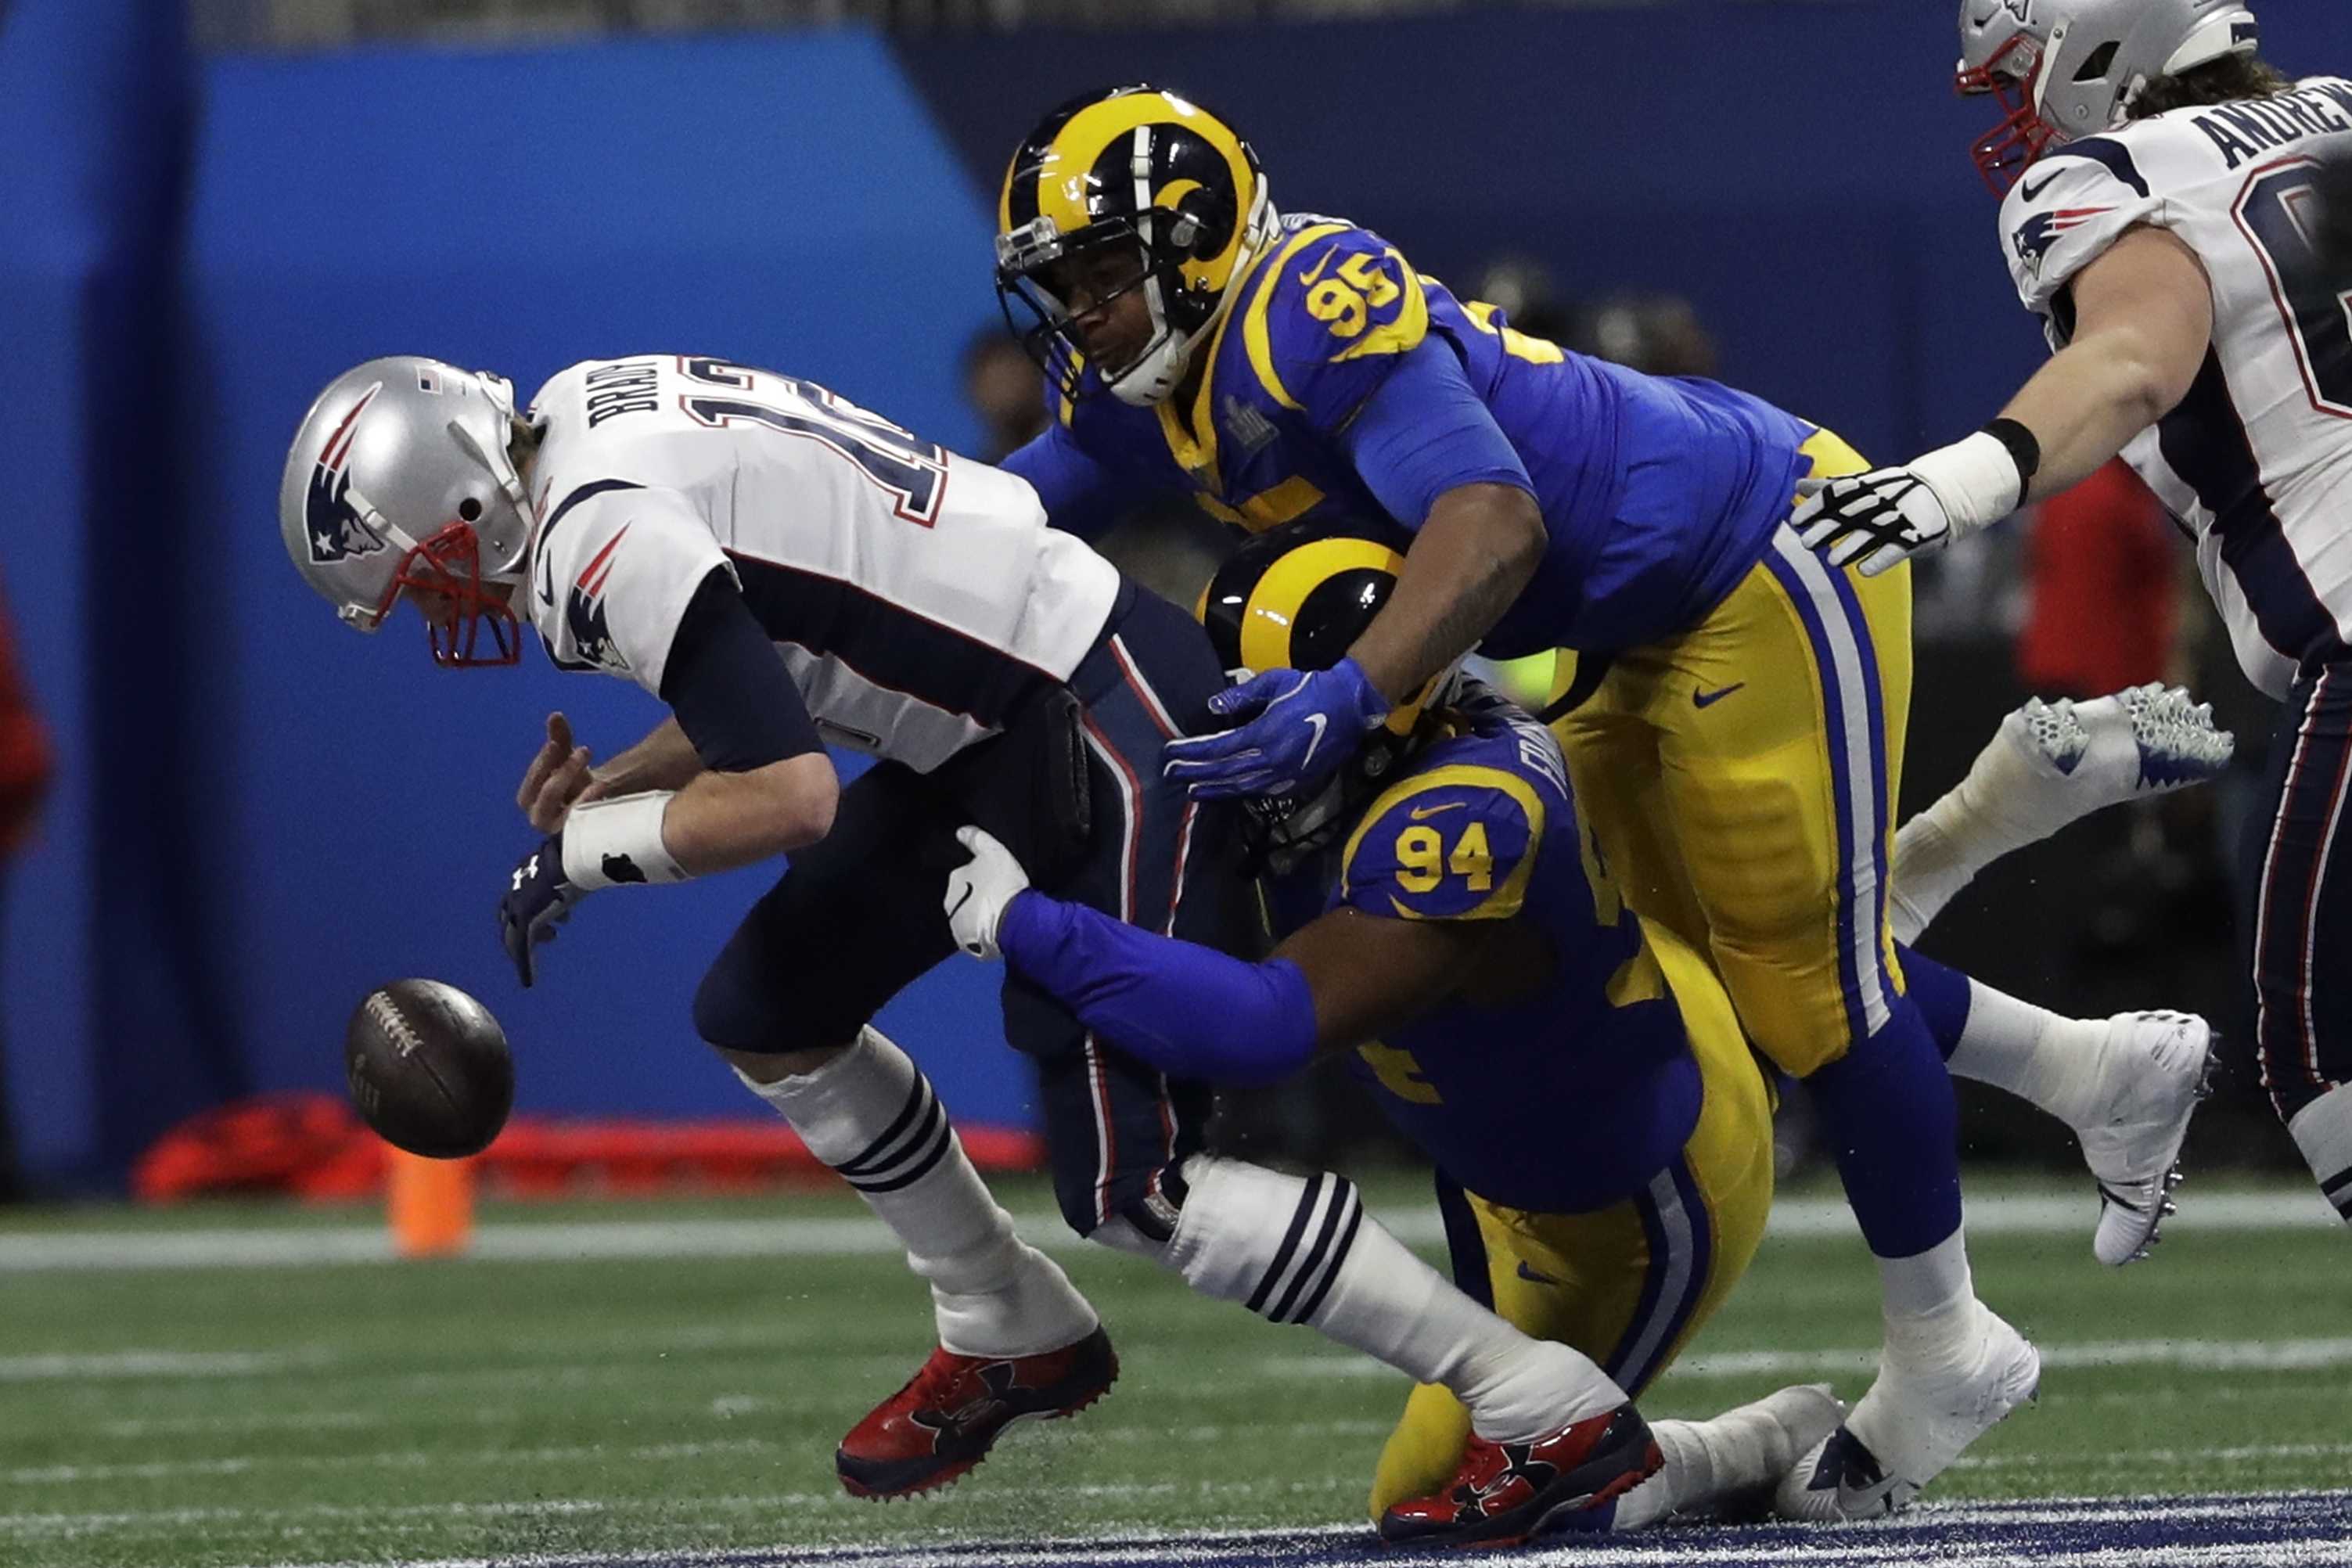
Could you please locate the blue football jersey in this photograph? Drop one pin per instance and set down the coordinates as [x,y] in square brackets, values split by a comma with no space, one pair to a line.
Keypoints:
[1658,494]
[1567,1099]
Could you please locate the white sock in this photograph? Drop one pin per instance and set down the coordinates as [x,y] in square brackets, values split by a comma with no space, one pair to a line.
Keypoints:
[1940,851]
[1686,1480]
[1735,1456]
[2056,1063]
[871,1115]
[2323,1130]
[1934,1332]
[1302,1250]
[1930,1305]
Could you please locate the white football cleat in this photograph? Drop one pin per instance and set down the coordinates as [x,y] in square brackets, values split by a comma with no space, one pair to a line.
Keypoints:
[2166,1062]
[2083,757]
[1918,1423]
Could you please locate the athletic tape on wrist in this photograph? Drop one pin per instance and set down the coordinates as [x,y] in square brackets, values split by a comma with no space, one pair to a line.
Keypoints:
[1977,479]
[611,842]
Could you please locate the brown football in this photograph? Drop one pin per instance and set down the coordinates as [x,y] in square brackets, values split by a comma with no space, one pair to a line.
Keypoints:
[428,1068]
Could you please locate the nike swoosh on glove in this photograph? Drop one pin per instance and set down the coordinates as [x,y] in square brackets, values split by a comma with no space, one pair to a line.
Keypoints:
[1300,727]
[978,891]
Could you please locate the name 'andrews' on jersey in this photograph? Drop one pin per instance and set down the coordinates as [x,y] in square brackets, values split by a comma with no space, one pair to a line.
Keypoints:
[917,597]
[1657,494]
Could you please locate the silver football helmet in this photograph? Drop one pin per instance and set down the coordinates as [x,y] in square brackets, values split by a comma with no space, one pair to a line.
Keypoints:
[2070,69]
[400,479]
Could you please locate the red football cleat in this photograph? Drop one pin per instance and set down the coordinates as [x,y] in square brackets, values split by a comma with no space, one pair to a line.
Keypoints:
[1507,1492]
[952,1412]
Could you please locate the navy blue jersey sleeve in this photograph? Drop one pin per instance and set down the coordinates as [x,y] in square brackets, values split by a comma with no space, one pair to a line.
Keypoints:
[732,693]
[1081,496]
[1425,431]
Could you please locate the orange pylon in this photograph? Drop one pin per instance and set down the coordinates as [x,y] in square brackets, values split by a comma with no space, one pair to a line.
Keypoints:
[430,1203]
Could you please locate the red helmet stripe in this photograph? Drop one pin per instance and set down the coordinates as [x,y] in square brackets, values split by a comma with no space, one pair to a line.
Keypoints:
[339,445]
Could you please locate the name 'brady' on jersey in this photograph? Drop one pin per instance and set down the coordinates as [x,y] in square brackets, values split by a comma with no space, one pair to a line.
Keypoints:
[2257,461]
[917,597]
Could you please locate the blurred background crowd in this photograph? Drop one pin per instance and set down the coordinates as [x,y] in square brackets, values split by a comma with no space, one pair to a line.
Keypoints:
[218,208]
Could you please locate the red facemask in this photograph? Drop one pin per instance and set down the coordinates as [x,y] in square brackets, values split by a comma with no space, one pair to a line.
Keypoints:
[2005,154]
[450,565]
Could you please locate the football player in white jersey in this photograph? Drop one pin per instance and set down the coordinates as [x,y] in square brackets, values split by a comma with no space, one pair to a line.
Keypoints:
[779,568]
[2161,215]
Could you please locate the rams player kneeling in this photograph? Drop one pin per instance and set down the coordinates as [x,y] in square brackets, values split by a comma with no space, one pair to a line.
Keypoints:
[1602,1134]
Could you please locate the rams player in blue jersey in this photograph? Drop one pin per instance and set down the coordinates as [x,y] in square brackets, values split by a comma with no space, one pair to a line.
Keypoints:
[1445,920]
[1602,1135]
[1738,743]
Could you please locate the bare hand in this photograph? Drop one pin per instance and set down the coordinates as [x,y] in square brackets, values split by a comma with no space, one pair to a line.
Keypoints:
[558,778]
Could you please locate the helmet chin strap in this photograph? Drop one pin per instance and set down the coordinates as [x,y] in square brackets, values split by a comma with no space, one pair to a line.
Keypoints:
[1173,350]
[2048,52]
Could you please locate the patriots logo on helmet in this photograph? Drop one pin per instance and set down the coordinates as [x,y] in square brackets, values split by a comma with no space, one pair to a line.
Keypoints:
[337,531]
[2042,230]
[584,611]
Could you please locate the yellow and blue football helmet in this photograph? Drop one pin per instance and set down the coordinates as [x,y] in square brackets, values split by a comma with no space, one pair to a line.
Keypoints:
[1135,167]
[1297,597]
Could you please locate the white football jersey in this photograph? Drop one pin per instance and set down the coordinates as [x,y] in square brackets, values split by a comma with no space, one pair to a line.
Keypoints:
[915,596]
[2257,463]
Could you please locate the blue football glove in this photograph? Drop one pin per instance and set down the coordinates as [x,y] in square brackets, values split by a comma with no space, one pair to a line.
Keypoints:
[537,898]
[1304,727]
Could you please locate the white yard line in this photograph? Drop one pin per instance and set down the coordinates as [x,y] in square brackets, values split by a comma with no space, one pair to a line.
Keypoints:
[2125,1458]
[155,1363]
[418,1458]
[2202,1355]
[2041,1214]
[217,1426]
[395,1459]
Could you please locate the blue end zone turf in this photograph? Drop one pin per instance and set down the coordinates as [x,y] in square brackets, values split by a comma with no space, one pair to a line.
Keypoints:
[2304,1530]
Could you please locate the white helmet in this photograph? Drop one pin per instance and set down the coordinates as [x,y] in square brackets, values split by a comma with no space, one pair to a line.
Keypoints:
[2070,69]
[400,477]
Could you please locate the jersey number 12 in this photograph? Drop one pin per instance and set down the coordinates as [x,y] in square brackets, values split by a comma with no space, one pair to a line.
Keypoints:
[913,471]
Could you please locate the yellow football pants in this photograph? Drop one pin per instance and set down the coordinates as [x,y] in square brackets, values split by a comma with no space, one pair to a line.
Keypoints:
[1740,779]
[1627,1285]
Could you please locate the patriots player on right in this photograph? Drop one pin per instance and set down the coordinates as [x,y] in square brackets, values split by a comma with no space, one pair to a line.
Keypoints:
[2162,185]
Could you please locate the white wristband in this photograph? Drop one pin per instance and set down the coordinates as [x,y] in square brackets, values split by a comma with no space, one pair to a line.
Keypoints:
[1977,481]
[620,840]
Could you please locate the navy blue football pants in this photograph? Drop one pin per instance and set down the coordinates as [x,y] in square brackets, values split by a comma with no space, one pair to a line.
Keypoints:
[2296,914]
[857,918]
